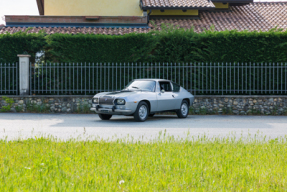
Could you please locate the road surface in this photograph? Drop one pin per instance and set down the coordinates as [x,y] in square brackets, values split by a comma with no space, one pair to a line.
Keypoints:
[83,126]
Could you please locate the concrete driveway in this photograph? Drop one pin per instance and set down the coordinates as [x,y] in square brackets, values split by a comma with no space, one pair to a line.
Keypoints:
[66,126]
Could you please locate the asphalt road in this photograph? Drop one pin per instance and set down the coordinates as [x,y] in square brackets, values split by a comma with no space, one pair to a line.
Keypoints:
[66,126]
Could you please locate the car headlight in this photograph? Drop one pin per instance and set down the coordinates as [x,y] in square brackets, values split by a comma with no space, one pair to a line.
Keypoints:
[121,101]
[96,100]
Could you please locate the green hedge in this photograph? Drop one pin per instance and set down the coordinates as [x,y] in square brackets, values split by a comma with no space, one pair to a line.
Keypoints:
[99,48]
[168,45]
[18,43]
[176,45]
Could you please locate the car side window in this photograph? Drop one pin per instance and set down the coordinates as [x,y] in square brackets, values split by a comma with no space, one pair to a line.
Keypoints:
[176,87]
[166,86]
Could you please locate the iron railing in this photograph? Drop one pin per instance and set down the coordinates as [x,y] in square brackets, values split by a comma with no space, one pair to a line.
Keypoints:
[198,78]
[9,79]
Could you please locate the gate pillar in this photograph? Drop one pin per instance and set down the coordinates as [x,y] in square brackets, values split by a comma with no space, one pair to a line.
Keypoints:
[24,74]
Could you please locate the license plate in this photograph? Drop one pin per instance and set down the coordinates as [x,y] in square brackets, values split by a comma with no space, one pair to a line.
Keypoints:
[104,110]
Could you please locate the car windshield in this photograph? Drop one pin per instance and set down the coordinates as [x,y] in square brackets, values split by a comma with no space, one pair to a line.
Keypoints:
[141,85]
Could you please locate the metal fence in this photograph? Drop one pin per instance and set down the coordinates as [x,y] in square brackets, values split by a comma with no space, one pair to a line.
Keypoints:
[9,79]
[198,78]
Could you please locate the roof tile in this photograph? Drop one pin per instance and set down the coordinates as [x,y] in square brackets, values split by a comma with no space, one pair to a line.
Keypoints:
[176,3]
[252,17]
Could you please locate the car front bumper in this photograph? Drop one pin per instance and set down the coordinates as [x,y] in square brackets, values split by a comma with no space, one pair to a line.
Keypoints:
[112,110]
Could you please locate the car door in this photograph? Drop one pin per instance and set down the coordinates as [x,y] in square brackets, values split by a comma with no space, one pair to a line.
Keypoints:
[166,99]
[176,94]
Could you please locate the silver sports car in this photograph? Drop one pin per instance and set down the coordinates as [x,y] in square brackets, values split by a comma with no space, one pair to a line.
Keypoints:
[142,98]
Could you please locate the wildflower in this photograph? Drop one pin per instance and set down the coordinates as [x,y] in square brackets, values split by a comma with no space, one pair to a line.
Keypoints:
[42,164]
[27,167]
[121,181]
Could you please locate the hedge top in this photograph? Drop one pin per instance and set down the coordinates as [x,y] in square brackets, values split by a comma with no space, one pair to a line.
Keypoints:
[168,45]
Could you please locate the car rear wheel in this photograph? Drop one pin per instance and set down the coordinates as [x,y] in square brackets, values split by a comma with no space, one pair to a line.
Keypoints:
[183,111]
[142,112]
[105,117]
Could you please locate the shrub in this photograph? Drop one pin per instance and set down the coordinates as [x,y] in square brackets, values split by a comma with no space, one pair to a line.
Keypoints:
[10,102]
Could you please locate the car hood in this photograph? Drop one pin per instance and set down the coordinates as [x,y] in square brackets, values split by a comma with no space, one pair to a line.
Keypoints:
[118,93]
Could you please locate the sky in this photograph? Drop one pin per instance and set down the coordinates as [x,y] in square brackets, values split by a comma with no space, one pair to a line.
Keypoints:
[29,7]
[17,7]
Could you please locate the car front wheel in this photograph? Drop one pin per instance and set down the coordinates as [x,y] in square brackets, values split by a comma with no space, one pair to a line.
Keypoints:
[142,112]
[105,117]
[183,111]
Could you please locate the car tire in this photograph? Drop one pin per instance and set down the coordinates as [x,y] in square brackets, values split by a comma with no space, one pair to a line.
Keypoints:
[151,115]
[142,112]
[105,117]
[184,109]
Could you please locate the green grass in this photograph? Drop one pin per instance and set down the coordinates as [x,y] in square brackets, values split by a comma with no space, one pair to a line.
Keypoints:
[165,164]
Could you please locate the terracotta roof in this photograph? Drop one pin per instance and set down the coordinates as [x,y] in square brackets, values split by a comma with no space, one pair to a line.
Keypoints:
[183,4]
[252,17]
[74,30]
[255,16]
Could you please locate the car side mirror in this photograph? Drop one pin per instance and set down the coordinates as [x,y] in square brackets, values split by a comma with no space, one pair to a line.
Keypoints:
[162,91]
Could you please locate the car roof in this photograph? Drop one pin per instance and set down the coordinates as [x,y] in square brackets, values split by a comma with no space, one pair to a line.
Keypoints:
[153,79]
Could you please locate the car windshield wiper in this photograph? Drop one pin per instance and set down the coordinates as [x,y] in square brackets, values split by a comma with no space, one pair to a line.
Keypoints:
[135,87]
[125,90]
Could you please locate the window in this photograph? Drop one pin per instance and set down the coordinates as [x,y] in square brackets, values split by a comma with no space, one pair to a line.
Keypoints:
[176,87]
[141,85]
[166,86]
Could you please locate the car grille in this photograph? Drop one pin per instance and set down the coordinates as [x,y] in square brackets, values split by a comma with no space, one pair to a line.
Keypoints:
[106,100]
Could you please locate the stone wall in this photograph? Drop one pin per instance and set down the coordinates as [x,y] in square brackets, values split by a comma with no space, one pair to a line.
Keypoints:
[235,105]
[49,104]
[240,105]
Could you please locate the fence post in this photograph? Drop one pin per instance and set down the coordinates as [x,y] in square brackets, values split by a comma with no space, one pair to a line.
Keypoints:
[24,74]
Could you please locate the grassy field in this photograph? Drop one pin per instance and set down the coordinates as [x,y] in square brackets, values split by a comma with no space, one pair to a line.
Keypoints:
[165,164]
